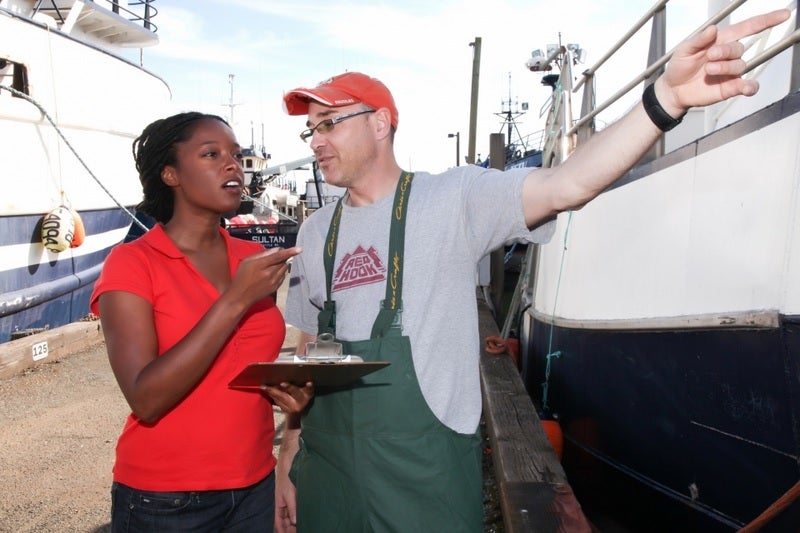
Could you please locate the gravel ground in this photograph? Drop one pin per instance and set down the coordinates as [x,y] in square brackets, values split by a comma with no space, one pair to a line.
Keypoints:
[58,427]
[59,424]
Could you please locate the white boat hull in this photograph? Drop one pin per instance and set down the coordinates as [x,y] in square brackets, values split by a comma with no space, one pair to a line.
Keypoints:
[99,103]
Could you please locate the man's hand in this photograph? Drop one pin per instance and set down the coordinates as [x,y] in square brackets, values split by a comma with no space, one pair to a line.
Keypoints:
[707,68]
[285,492]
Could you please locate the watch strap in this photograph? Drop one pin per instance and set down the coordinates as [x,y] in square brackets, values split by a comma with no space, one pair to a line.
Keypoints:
[652,107]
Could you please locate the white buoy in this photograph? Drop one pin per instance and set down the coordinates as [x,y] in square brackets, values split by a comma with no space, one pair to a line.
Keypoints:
[58,229]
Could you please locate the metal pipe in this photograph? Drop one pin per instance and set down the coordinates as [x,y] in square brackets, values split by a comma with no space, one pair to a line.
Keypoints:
[654,67]
[473,108]
[625,38]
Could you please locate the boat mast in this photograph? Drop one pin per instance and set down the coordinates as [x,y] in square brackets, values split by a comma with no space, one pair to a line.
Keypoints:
[510,113]
[509,118]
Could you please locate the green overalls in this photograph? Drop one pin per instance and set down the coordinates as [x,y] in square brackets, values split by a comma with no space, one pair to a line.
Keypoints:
[373,457]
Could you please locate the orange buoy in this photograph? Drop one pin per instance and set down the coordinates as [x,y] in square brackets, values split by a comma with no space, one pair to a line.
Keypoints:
[554,434]
[80,231]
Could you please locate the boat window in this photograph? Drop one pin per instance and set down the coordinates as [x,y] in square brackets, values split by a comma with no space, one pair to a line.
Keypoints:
[14,75]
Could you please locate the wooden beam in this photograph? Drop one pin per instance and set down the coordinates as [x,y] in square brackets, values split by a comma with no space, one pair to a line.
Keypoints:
[534,491]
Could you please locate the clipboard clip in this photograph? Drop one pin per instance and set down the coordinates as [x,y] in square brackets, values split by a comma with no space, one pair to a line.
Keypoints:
[324,349]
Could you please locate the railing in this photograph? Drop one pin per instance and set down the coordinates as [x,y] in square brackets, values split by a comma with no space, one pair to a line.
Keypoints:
[563,134]
[145,17]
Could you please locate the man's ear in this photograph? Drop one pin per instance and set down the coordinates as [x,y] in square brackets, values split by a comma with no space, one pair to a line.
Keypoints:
[169,175]
[383,118]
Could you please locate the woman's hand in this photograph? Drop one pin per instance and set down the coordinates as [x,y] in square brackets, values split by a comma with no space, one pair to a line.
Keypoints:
[290,398]
[261,274]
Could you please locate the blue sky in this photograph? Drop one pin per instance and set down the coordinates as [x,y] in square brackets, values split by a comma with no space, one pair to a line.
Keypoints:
[419,48]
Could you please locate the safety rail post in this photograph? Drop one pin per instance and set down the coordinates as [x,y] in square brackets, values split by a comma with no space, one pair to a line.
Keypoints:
[658,48]
[795,79]
[586,130]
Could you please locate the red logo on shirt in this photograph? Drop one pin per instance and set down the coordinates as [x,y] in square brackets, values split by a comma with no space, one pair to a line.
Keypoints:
[361,267]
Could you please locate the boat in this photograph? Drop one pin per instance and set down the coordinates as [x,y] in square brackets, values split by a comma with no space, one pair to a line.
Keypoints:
[71,103]
[520,150]
[661,324]
[271,212]
[254,160]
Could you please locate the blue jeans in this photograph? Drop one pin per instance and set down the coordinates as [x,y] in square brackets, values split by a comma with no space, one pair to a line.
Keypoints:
[246,510]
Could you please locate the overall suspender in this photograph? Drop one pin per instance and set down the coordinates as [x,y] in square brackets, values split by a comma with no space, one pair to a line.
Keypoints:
[391,307]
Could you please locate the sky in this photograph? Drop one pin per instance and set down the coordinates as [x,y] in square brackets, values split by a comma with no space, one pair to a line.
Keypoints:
[419,48]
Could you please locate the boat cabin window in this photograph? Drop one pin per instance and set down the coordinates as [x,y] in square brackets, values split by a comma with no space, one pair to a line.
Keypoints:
[14,75]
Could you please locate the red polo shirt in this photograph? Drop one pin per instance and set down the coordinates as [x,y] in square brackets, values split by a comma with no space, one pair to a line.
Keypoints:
[216,437]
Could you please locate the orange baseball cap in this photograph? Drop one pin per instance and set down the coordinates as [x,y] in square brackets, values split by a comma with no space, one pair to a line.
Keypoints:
[345,89]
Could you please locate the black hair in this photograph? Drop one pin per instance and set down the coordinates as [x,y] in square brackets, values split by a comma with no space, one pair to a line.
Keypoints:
[155,149]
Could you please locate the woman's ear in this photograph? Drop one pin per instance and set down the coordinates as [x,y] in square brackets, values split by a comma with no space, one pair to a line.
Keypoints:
[169,176]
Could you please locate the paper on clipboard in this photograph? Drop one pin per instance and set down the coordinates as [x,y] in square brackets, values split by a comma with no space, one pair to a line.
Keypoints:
[330,372]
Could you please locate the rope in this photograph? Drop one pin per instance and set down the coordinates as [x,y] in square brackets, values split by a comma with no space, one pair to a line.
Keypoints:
[509,254]
[27,98]
[773,510]
[550,353]
[495,345]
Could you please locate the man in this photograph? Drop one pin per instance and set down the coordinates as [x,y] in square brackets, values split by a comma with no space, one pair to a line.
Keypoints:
[390,271]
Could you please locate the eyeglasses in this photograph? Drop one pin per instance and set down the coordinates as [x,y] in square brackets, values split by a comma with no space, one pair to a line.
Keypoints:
[327,125]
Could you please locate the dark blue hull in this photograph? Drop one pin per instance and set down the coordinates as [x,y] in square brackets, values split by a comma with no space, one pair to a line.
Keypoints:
[532,158]
[709,418]
[52,290]
[282,234]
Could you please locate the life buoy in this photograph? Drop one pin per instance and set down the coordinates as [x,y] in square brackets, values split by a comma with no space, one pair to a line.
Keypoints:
[80,231]
[58,229]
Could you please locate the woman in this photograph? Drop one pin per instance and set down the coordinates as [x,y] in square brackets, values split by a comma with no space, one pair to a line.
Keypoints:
[184,308]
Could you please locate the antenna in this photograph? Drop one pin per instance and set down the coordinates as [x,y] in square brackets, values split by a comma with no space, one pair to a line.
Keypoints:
[230,103]
[510,113]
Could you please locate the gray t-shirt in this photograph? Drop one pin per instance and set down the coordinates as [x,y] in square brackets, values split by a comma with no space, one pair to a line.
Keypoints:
[454,219]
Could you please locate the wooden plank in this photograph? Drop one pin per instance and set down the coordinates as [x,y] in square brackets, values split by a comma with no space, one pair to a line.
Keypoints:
[542,507]
[48,346]
[534,492]
[521,448]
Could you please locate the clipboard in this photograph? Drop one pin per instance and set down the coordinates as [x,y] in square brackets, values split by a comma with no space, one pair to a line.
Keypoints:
[322,373]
